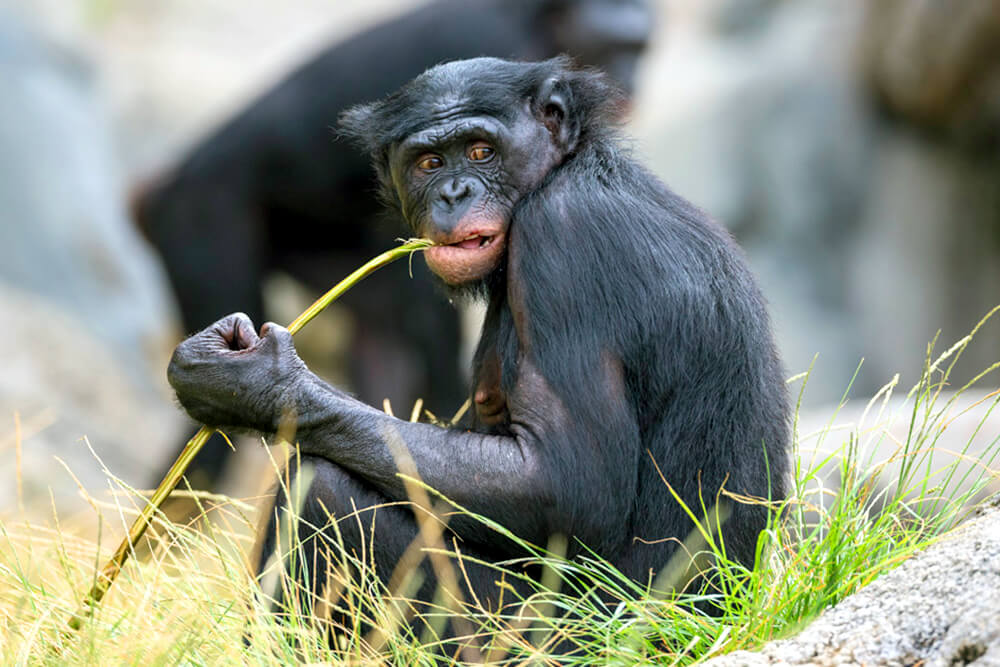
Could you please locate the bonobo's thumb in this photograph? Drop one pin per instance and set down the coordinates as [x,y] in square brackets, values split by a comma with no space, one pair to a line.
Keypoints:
[278,333]
[277,340]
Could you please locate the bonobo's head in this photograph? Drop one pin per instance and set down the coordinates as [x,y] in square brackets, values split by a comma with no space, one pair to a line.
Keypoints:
[458,147]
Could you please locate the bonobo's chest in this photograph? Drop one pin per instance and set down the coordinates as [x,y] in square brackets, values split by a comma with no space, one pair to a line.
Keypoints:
[488,398]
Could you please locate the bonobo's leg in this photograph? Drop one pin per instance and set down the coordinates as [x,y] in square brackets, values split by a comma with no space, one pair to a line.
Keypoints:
[358,523]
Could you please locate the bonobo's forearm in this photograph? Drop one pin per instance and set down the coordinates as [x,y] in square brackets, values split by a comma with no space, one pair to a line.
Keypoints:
[487,474]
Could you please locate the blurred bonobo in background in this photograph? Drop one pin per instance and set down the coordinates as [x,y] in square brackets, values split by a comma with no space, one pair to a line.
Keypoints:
[272,189]
[626,354]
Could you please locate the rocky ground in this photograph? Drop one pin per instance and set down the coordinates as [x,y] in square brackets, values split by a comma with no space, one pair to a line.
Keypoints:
[940,608]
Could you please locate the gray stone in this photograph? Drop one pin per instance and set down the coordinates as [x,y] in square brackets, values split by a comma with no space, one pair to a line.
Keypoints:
[868,235]
[86,319]
[76,405]
[940,608]
[955,445]
[64,235]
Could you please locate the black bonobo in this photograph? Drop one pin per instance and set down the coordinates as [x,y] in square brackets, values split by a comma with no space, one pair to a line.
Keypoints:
[624,339]
[271,191]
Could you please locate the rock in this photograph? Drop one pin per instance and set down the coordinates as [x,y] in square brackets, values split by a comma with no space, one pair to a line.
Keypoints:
[940,608]
[64,235]
[87,321]
[952,86]
[868,234]
[70,391]
[954,437]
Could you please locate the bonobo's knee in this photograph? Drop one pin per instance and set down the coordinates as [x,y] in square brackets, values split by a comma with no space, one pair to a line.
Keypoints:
[334,512]
[326,527]
[301,538]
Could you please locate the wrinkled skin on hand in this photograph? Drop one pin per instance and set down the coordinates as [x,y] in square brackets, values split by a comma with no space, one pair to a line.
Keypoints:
[228,376]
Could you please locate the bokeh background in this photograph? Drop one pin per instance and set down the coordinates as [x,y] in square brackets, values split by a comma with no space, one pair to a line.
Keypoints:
[852,147]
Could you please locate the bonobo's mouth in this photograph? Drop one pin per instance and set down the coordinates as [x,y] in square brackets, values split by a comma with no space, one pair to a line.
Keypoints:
[474,242]
[466,256]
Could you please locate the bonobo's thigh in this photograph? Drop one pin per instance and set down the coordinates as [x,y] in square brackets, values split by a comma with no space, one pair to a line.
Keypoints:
[342,519]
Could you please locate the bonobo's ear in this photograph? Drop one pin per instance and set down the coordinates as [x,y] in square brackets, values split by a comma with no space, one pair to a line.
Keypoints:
[554,107]
[361,124]
[357,124]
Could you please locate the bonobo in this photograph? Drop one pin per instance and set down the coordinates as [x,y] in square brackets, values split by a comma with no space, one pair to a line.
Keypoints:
[625,343]
[271,190]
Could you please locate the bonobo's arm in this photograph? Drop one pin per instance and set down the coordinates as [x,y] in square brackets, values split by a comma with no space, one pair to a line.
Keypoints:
[226,376]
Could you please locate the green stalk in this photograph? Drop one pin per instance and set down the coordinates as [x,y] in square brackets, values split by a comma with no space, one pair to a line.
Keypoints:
[107,575]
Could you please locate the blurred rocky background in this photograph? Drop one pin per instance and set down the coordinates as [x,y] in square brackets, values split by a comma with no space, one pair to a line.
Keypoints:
[852,147]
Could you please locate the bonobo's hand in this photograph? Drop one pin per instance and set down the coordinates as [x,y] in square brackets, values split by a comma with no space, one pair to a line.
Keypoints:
[228,376]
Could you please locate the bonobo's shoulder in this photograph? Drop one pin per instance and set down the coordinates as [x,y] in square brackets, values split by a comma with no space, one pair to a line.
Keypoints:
[605,164]
[606,185]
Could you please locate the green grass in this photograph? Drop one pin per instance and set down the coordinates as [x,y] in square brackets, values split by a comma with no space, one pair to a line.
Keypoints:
[190,597]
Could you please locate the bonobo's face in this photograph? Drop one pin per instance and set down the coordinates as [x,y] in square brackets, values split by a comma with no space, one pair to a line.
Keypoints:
[460,176]
[457,148]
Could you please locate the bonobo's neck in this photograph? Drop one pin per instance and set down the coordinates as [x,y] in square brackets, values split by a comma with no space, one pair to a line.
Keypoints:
[480,291]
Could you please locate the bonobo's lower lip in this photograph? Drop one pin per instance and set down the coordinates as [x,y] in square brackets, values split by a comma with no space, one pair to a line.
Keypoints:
[472,258]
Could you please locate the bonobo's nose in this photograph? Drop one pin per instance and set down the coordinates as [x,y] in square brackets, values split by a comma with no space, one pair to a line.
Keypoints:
[454,191]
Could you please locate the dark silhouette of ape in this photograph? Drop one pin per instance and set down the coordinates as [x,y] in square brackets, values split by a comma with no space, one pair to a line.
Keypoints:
[271,189]
[624,339]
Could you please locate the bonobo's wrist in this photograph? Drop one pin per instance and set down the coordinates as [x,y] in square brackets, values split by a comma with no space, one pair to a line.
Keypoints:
[285,402]
[313,405]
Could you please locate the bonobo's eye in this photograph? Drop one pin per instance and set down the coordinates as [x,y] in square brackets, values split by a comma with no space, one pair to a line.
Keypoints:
[480,152]
[429,162]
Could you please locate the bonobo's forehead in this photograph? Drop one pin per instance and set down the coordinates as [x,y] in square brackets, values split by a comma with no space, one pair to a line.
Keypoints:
[460,73]
[452,124]
[476,76]
[453,106]
[462,89]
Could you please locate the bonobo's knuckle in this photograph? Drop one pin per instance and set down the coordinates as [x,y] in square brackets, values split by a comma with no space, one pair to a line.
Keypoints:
[280,339]
[242,321]
[279,333]
[181,359]
[232,318]
[174,371]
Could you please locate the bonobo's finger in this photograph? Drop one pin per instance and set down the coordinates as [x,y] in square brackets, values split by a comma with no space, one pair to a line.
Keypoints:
[276,342]
[277,335]
[235,332]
